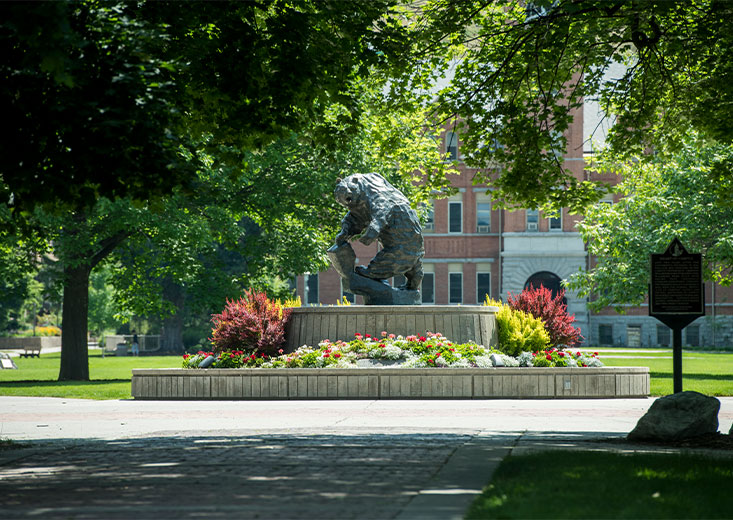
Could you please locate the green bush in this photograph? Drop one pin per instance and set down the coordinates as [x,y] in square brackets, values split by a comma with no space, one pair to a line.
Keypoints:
[519,331]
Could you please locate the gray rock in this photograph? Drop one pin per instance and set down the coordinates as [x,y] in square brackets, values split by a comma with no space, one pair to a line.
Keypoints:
[684,415]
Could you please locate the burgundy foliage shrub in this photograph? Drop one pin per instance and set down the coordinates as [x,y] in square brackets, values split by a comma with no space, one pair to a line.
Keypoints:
[540,304]
[253,324]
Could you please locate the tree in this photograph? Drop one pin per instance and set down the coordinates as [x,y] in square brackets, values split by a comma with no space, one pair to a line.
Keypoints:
[683,193]
[511,75]
[106,105]
[115,87]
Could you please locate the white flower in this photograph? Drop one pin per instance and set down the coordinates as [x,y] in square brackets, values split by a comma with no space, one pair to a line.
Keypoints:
[392,352]
[441,362]
[483,362]
[461,363]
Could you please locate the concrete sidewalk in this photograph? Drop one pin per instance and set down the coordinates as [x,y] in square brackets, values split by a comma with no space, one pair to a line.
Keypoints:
[283,459]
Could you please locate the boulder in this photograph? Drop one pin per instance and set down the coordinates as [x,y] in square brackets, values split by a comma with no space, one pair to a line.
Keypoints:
[675,417]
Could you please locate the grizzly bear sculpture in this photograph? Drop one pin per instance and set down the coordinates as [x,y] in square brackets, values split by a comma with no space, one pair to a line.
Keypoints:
[378,211]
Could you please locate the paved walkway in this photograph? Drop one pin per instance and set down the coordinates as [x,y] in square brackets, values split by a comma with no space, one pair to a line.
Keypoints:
[284,459]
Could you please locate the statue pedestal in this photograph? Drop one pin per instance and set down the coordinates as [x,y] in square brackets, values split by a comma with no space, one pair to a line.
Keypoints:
[460,324]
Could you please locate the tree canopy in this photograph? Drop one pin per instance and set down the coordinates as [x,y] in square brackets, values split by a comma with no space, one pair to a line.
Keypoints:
[512,74]
[98,97]
[686,194]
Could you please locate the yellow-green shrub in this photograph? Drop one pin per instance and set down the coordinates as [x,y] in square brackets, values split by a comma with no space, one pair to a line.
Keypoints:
[518,331]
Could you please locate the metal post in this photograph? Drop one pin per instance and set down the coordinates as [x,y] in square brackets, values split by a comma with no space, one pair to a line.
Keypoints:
[677,359]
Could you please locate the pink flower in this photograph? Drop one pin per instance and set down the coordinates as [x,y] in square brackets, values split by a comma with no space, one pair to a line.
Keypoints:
[280,351]
[384,333]
[391,336]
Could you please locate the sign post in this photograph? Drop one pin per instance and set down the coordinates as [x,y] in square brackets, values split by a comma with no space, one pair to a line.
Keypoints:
[676,296]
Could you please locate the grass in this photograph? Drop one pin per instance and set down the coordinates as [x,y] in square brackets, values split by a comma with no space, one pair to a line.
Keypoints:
[591,484]
[707,373]
[110,376]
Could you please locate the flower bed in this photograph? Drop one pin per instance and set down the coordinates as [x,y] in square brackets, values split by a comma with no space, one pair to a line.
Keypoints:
[430,351]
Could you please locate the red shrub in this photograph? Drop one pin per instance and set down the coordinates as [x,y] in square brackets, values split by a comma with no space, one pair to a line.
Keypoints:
[253,324]
[540,304]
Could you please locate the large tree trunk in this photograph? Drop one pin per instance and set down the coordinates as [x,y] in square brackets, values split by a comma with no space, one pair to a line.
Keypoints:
[172,336]
[74,354]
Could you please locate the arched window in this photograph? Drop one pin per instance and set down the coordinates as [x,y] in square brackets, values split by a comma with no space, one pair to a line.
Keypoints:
[545,279]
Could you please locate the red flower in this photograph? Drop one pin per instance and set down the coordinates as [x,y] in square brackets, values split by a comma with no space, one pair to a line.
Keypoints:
[423,338]
[337,355]
[368,336]
[437,355]
[595,353]
[326,355]
[431,360]
[548,357]
[561,354]
[185,356]
[357,335]
[381,345]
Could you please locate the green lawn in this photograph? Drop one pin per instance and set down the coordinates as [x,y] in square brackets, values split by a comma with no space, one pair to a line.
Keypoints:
[578,484]
[710,374]
[110,376]
[707,373]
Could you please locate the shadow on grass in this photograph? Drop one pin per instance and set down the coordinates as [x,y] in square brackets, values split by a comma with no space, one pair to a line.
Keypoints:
[697,377]
[45,383]
[608,485]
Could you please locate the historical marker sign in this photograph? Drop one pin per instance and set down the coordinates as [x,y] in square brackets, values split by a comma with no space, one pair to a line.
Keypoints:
[676,284]
[676,296]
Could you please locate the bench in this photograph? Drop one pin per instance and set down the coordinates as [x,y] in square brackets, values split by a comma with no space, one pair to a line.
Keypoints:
[33,351]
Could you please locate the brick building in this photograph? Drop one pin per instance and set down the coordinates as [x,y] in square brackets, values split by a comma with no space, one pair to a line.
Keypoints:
[473,249]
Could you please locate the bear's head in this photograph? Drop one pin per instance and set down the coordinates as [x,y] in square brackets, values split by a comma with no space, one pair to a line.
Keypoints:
[349,192]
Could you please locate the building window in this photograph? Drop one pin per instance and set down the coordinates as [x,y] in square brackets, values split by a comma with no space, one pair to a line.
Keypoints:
[455,288]
[483,287]
[455,217]
[663,336]
[605,334]
[633,336]
[692,335]
[555,223]
[451,146]
[483,217]
[533,219]
[311,289]
[428,288]
[429,224]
